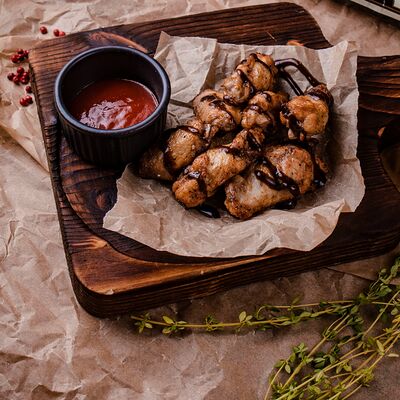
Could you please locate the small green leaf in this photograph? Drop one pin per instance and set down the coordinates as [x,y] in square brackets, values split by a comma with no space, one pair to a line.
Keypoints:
[380,347]
[242,316]
[354,309]
[148,325]
[395,269]
[393,355]
[347,367]
[318,376]
[168,320]
[371,341]
[288,369]
[395,311]
[316,390]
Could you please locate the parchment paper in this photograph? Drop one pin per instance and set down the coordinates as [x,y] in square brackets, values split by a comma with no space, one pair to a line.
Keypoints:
[50,348]
[146,210]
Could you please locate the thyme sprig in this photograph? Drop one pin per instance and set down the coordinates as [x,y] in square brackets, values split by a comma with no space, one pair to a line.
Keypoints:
[341,363]
[265,317]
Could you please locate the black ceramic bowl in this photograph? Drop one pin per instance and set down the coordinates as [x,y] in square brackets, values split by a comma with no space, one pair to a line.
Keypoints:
[114,147]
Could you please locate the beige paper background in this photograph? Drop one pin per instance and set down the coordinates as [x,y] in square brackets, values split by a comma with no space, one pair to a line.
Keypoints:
[144,207]
[49,347]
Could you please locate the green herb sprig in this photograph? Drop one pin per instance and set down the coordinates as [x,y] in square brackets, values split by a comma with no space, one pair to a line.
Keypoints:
[343,360]
[265,317]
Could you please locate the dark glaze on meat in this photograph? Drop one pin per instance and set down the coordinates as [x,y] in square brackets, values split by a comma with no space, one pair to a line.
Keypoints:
[269,163]
[278,181]
[257,72]
[215,112]
[281,174]
[307,115]
[216,166]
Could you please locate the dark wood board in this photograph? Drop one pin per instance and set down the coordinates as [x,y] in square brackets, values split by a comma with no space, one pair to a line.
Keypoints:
[113,274]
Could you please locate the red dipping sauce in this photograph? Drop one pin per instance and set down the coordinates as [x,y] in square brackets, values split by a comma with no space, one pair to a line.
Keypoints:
[113,104]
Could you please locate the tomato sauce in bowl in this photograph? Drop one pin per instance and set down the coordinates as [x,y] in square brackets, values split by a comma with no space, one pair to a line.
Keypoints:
[113,104]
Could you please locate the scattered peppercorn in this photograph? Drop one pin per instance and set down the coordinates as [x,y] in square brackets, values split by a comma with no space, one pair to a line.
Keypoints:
[43,30]
[56,32]
[19,56]
[15,58]
[21,75]
[24,79]
[26,100]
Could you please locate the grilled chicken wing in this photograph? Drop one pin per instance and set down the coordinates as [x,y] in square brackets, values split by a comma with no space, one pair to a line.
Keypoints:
[282,173]
[307,115]
[257,72]
[211,108]
[263,110]
[216,166]
[180,149]
[151,165]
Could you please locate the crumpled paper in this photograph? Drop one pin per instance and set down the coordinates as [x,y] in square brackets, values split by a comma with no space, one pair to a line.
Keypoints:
[146,210]
[21,29]
[50,348]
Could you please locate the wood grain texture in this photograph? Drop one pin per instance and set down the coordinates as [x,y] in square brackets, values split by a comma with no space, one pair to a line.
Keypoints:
[114,274]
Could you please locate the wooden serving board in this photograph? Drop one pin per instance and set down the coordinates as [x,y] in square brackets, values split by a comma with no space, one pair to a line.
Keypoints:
[113,274]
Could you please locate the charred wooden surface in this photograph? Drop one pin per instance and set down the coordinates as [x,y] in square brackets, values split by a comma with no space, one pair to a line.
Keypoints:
[114,274]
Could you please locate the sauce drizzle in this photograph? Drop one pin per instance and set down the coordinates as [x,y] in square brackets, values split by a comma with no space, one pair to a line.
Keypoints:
[256,59]
[214,101]
[253,142]
[320,94]
[208,210]
[246,81]
[196,175]
[286,62]
[279,180]
[294,125]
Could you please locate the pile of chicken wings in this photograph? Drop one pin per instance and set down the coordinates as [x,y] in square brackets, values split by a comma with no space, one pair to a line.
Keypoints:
[271,158]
